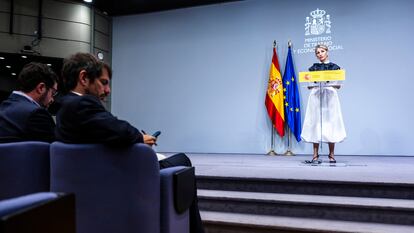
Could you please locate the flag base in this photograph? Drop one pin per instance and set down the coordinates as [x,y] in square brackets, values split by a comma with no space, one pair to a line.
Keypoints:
[271,153]
[289,153]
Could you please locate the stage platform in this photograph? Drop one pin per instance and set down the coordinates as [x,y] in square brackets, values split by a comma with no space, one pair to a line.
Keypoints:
[387,169]
[257,193]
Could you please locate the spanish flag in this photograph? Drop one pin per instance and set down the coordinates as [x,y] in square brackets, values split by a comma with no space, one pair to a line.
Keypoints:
[274,97]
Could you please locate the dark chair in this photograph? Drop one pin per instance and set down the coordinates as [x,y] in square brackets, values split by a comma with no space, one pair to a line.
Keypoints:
[117,189]
[24,168]
[38,213]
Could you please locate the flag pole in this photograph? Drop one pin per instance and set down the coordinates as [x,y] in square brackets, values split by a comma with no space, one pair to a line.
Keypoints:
[289,151]
[272,151]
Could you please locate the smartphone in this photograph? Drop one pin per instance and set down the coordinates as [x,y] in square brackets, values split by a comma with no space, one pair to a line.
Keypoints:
[156,134]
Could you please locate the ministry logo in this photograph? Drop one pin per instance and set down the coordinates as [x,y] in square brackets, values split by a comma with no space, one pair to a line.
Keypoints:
[320,23]
[318,31]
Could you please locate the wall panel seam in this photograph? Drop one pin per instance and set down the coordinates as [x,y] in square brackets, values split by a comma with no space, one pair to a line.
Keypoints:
[45,37]
[49,18]
[103,33]
[64,20]
[101,49]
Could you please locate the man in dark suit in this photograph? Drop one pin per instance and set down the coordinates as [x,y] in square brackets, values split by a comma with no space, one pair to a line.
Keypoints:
[23,116]
[83,119]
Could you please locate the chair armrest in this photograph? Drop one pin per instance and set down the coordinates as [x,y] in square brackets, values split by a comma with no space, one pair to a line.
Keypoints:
[9,206]
[40,212]
[171,220]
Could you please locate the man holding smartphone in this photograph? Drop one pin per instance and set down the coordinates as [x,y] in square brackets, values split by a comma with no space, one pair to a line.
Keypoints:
[83,119]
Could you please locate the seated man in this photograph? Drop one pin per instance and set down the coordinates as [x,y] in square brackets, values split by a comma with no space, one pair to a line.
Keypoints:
[83,119]
[23,116]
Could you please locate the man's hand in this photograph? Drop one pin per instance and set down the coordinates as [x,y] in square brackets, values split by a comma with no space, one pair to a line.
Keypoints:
[149,140]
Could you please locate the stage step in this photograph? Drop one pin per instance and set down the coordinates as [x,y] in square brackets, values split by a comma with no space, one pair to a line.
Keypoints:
[392,211]
[223,222]
[311,187]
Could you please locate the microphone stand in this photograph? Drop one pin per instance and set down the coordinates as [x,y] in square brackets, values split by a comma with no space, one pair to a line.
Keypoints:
[320,110]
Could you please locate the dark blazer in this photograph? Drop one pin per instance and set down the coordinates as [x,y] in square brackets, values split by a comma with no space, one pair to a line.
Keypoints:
[83,119]
[324,66]
[23,120]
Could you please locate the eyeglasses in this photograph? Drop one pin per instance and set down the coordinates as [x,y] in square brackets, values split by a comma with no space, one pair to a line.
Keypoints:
[54,92]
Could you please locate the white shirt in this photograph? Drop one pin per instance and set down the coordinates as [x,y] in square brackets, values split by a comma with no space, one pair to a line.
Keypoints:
[76,93]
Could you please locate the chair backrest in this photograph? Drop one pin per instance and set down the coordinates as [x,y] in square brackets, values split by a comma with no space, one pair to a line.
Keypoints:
[24,168]
[39,212]
[117,189]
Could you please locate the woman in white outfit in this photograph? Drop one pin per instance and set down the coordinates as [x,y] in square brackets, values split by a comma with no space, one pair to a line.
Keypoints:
[323,120]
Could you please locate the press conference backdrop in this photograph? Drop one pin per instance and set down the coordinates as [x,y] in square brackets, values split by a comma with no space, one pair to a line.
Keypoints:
[200,74]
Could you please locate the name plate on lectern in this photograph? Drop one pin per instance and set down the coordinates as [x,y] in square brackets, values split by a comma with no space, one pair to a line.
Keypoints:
[320,76]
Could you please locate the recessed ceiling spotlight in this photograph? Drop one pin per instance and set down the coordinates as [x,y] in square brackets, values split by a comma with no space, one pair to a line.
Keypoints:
[100,55]
[14,74]
[88,1]
[2,58]
[23,56]
[48,64]
[8,67]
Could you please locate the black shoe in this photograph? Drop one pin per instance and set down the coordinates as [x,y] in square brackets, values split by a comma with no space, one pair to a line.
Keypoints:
[331,159]
[315,160]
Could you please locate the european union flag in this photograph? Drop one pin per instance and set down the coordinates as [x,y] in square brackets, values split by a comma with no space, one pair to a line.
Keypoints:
[292,100]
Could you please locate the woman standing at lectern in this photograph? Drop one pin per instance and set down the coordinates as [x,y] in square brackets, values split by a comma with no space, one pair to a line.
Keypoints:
[323,102]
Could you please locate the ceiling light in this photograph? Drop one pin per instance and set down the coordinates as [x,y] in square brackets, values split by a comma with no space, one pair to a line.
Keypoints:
[14,74]
[8,67]
[48,64]
[100,56]
[23,56]
[88,1]
[2,58]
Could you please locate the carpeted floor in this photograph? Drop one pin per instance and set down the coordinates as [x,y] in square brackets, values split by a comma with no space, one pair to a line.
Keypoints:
[394,169]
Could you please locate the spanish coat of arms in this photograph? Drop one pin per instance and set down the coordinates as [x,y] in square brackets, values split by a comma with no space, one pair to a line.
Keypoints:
[318,24]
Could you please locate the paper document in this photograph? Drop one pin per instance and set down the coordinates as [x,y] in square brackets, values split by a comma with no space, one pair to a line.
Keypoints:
[160,156]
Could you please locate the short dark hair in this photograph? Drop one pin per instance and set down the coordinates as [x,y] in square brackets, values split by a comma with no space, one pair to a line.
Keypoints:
[73,65]
[34,73]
